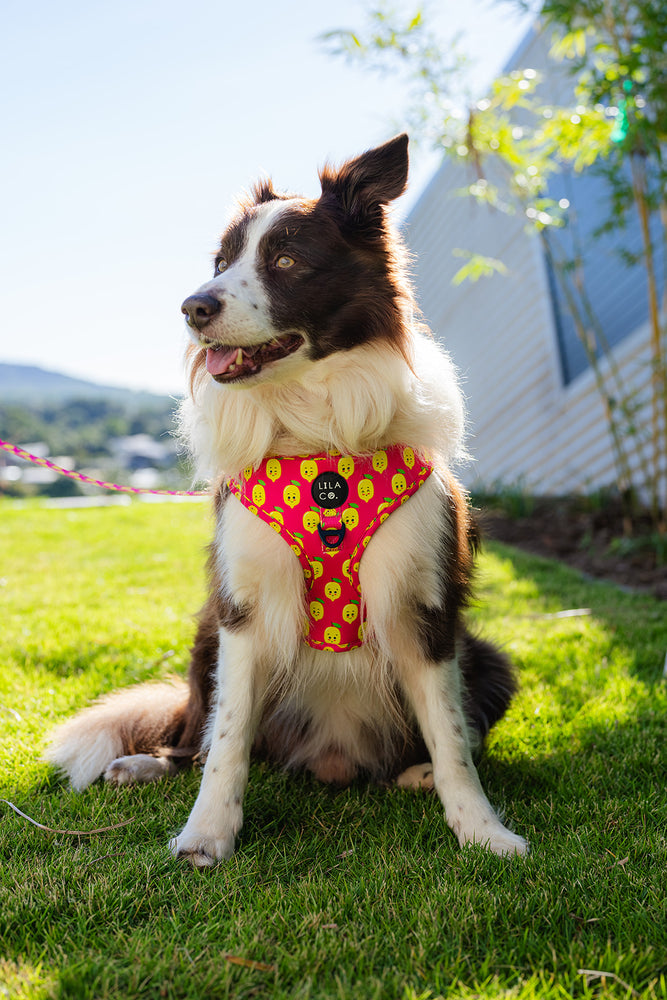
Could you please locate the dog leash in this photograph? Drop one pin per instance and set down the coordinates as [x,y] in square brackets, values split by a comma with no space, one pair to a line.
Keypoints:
[79,476]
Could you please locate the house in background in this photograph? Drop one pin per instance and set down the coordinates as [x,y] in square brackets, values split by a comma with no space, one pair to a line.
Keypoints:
[142,451]
[535,415]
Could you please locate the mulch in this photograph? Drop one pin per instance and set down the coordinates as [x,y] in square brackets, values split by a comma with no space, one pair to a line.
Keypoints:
[594,541]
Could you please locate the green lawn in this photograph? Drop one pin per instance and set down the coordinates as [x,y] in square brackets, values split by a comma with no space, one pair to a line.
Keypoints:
[361,893]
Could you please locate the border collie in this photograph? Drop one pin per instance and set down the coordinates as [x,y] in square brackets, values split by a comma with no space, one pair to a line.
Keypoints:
[326,419]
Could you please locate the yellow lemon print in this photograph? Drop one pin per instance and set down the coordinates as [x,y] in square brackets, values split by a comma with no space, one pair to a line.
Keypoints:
[409,457]
[346,466]
[398,483]
[316,610]
[332,635]
[380,461]
[273,469]
[350,612]
[350,518]
[332,590]
[291,494]
[310,521]
[258,494]
[365,489]
[308,469]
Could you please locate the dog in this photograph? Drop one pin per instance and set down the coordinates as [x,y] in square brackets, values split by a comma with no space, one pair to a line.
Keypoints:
[327,420]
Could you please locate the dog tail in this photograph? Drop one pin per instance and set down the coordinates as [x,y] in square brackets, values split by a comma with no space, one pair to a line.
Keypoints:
[490,682]
[150,718]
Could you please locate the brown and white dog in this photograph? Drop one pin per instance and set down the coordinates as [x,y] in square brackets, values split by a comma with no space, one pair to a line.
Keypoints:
[305,343]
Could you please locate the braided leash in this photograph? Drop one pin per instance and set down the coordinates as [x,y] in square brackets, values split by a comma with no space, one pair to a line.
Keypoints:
[79,476]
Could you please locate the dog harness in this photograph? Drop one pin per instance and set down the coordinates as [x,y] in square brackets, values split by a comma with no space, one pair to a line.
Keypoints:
[327,508]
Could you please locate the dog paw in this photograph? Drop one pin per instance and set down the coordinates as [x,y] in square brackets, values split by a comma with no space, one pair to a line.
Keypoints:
[202,851]
[139,768]
[418,776]
[499,841]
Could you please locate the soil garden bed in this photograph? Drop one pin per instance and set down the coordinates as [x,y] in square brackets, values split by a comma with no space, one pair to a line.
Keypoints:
[592,538]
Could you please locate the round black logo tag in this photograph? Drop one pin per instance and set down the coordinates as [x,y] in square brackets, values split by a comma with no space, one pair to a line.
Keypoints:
[329,489]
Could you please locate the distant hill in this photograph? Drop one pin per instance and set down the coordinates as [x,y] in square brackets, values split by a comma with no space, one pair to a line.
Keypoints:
[33,386]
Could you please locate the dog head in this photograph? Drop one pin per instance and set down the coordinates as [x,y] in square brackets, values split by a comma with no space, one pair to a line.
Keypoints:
[297,279]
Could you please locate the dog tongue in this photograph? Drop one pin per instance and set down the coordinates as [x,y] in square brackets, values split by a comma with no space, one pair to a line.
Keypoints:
[218,359]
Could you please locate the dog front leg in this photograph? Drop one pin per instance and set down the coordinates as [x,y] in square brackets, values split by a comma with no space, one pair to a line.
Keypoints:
[217,816]
[434,691]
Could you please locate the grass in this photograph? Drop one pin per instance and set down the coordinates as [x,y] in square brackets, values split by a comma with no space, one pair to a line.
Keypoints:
[360,893]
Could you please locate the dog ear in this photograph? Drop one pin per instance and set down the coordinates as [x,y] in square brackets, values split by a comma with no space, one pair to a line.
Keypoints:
[373,179]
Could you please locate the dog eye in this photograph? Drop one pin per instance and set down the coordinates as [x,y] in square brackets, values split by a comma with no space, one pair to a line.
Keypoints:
[284,262]
[222,264]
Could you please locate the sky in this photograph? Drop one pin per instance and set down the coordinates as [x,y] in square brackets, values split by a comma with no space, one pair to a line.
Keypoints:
[128,128]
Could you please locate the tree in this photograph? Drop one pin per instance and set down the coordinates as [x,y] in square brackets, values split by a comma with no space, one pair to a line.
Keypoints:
[618,54]
[512,142]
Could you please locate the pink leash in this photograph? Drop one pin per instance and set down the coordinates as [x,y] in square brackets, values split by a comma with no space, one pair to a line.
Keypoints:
[44,462]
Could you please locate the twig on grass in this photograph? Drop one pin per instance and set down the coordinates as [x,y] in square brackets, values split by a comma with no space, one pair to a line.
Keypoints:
[67,833]
[12,711]
[570,613]
[599,974]
[163,659]
[248,963]
[102,857]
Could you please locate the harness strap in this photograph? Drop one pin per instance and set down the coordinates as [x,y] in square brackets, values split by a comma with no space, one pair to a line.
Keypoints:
[327,507]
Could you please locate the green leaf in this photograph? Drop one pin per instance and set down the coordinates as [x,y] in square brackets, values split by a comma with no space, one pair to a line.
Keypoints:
[478,266]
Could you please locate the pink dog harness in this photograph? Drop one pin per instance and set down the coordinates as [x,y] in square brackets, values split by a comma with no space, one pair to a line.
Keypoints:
[327,507]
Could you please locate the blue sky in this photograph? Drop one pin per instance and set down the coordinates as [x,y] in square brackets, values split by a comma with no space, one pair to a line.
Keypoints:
[128,128]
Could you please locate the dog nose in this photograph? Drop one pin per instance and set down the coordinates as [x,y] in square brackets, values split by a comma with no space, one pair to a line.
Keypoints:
[200,310]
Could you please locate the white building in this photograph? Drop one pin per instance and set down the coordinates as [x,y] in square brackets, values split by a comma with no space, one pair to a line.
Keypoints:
[535,415]
[141,451]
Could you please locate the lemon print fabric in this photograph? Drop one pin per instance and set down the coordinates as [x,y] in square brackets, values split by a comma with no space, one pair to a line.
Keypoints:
[327,507]
[366,489]
[258,494]
[273,469]
[398,483]
[292,494]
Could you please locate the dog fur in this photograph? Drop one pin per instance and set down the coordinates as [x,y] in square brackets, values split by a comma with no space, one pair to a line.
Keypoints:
[306,340]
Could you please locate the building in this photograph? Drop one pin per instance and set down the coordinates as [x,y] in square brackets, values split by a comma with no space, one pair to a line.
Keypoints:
[536,418]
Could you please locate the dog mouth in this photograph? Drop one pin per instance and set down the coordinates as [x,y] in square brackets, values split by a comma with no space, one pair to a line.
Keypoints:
[230,364]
